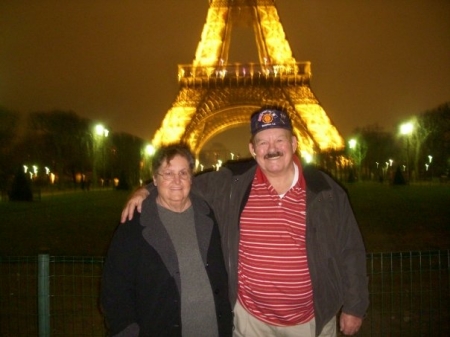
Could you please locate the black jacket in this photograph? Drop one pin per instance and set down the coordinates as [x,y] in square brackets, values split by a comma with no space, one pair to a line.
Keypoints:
[335,249]
[141,283]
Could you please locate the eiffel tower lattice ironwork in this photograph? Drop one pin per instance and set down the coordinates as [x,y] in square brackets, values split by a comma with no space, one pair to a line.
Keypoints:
[215,96]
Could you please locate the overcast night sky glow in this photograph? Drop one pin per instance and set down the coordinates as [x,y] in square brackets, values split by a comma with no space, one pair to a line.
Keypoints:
[373,62]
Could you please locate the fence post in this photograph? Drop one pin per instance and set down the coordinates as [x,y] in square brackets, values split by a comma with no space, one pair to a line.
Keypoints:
[44,295]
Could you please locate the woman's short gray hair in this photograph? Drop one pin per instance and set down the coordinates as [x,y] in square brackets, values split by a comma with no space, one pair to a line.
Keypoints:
[167,153]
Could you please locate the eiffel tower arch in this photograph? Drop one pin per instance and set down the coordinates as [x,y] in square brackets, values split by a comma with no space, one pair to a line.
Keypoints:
[215,95]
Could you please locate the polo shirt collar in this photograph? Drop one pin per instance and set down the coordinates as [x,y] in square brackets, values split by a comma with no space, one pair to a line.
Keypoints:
[260,177]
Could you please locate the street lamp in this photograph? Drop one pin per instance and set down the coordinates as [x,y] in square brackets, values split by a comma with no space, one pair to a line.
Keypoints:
[146,167]
[307,157]
[430,158]
[355,154]
[100,132]
[406,129]
[218,165]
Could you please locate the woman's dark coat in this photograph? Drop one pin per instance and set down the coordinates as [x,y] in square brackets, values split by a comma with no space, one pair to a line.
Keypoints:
[141,280]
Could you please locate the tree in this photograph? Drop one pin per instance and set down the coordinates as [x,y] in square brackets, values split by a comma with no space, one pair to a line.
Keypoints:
[357,149]
[123,182]
[437,143]
[9,138]
[378,146]
[417,139]
[125,156]
[59,139]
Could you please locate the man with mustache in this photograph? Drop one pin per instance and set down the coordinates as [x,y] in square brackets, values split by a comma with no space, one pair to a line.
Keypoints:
[295,256]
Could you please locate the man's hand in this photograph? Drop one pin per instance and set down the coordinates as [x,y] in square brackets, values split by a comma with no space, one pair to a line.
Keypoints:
[135,201]
[349,324]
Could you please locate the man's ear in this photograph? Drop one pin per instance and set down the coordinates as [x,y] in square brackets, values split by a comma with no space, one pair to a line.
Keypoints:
[294,143]
[251,149]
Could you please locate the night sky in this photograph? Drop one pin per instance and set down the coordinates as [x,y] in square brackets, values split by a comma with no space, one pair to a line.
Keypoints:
[114,61]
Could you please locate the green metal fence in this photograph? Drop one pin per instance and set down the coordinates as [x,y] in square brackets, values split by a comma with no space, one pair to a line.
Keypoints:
[59,296]
[50,296]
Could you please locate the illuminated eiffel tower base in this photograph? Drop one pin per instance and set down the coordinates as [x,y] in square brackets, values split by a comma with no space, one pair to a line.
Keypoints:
[215,96]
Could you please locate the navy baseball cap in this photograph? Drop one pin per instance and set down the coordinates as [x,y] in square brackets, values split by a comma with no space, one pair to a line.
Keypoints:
[269,118]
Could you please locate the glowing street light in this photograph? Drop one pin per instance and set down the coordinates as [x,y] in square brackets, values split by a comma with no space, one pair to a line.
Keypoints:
[352,143]
[406,129]
[99,132]
[150,150]
[146,167]
[307,157]
[355,155]
[218,165]
[430,158]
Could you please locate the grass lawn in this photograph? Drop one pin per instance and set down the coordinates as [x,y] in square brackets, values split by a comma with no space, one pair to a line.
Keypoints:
[402,218]
[415,217]
[72,223]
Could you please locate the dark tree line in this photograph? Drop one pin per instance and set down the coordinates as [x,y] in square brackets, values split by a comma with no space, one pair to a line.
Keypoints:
[426,151]
[437,142]
[60,140]
[66,144]
[9,129]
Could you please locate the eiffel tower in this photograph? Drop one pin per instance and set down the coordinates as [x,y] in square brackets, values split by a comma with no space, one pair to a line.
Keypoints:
[215,95]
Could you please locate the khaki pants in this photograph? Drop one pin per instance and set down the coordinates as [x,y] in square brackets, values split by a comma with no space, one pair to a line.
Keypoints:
[246,325]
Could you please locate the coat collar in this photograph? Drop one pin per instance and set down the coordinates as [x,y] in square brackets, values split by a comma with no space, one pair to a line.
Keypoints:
[156,235]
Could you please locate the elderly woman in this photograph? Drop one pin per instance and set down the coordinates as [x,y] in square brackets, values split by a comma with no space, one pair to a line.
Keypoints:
[165,274]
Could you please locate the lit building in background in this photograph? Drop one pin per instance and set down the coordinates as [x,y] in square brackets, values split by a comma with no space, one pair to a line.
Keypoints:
[216,95]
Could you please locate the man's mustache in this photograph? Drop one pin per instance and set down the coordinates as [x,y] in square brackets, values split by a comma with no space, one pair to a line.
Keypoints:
[273,154]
